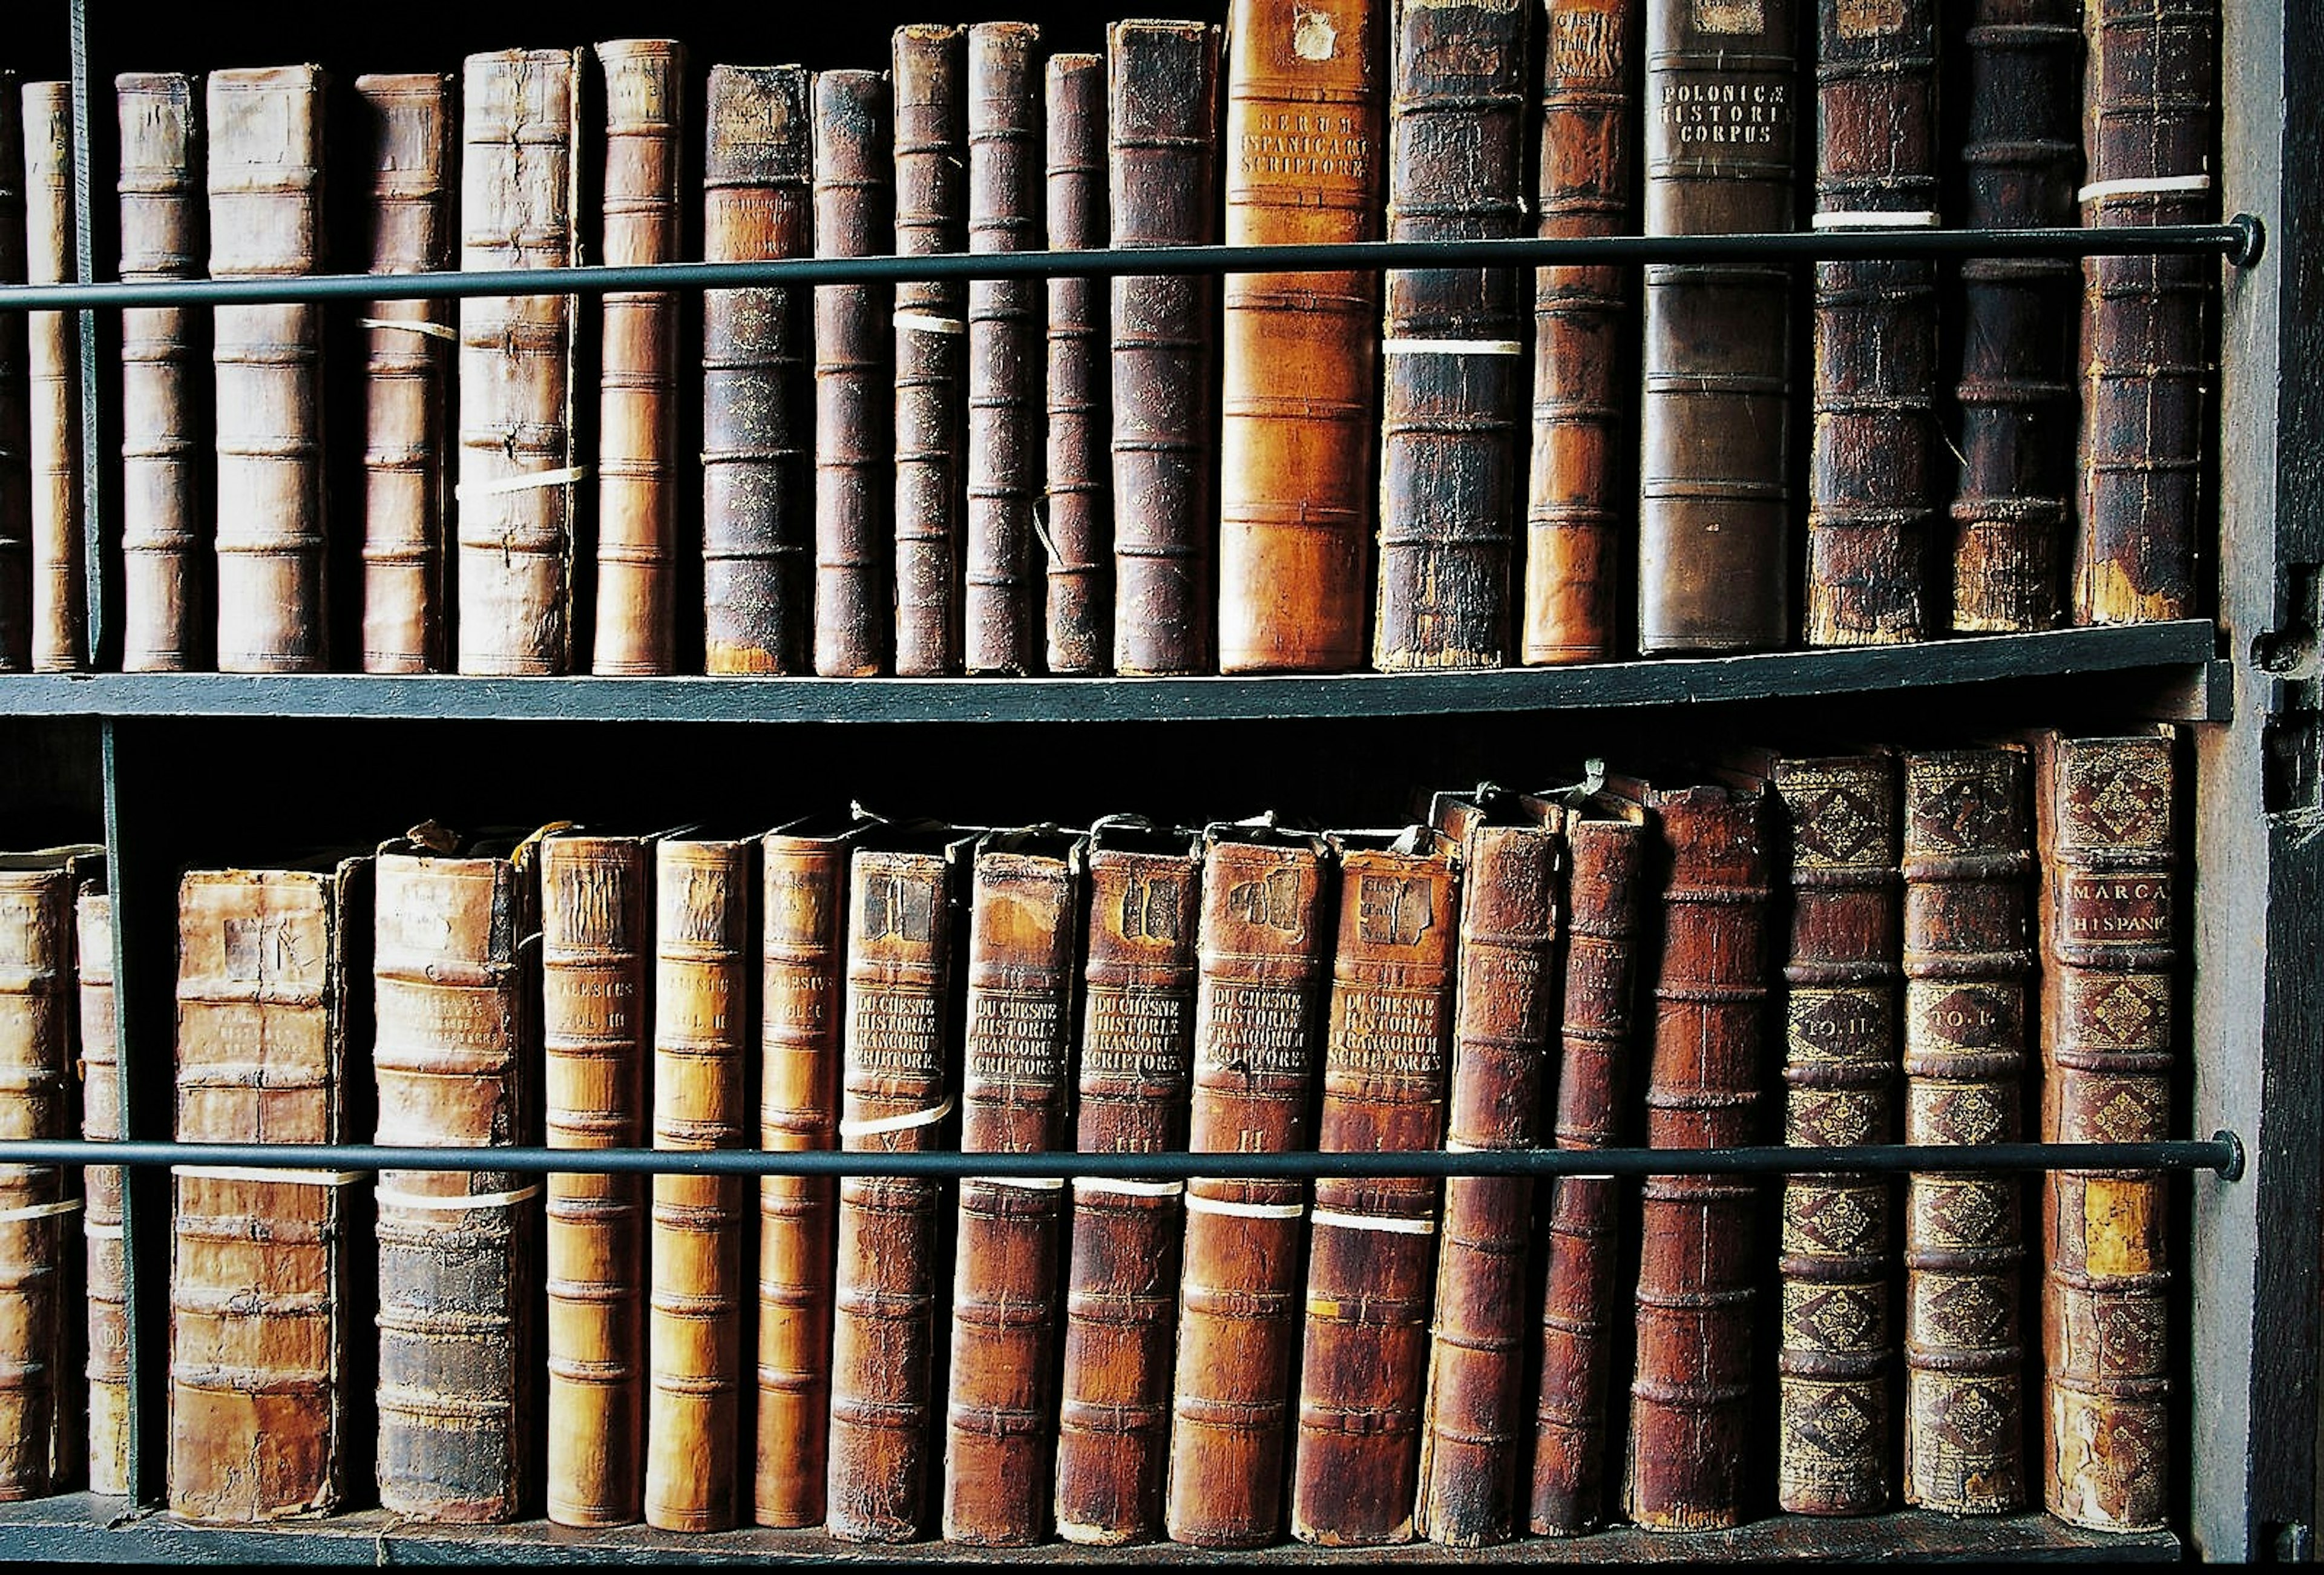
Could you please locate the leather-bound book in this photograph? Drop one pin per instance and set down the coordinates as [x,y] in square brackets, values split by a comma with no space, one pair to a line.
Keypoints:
[1305,110]
[456,948]
[1584,385]
[407,373]
[929,68]
[163,587]
[1451,345]
[1611,902]
[1872,469]
[1968,851]
[1263,956]
[1372,1258]
[107,1284]
[1162,109]
[852,550]
[757,370]
[15,406]
[2106,817]
[1121,1298]
[2019,72]
[271,994]
[595,1000]
[1015,1072]
[59,624]
[1504,1003]
[703,963]
[519,121]
[1714,502]
[1077,524]
[2149,120]
[1690,1394]
[635,633]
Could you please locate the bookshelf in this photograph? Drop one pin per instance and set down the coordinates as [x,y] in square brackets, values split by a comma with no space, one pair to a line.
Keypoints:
[173,769]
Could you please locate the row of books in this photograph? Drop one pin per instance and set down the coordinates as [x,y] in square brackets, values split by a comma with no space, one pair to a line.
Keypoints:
[999,1361]
[1296,471]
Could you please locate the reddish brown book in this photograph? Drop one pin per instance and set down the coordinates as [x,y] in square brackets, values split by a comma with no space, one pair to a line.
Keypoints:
[60,621]
[853,636]
[16,398]
[101,1113]
[1076,528]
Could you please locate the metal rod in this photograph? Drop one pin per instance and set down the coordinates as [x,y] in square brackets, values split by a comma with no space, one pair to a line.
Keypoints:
[2238,242]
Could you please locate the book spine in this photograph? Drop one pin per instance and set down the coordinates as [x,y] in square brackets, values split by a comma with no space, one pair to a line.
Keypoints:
[1162,118]
[2149,120]
[107,1284]
[1001,625]
[1298,350]
[36,1018]
[1968,950]
[928,64]
[637,390]
[1690,1396]
[852,406]
[1015,1089]
[1075,522]
[1714,516]
[515,500]
[52,341]
[160,239]
[757,367]
[15,397]
[592,1024]
[1122,1300]
[1452,348]
[1263,950]
[406,367]
[2013,385]
[1872,464]
[1574,506]
[693,1330]
[2109,846]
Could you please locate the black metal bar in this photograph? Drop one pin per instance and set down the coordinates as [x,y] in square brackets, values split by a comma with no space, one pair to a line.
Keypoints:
[2235,242]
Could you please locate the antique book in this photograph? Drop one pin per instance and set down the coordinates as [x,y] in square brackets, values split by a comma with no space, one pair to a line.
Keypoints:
[1452,342]
[1371,1262]
[853,549]
[1872,467]
[1613,898]
[1263,952]
[1001,620]
[59,632]
[1074,517]
[757,371]
[702,1032]
[2149,120]
[518,471]
[595,998]
[163,585]
[1162,119]
[456,946]
[407,373]
[2106,830]
[2019,64]
[929,68]
[1583,334]
[1714,497]
[1016,1068]
[1506,993]
[271,993]
[101,1120]
[15,406]
[635,630]
[1690,1392]
[1136,1068]
[1968,851]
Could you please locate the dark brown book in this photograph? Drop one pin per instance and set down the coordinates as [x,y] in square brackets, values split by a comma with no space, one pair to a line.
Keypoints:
[1714,497]
[853,636]
[60,622]
[1136,1068]
[1162,129]
[1872,471]
[1968,851]
[756,367]
[1074,520]
[1263,952]
[101,1120]
[1452,346]
[16,398]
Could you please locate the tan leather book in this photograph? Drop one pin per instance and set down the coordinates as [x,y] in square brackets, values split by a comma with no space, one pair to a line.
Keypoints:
[928,65]
[271,994]
[15,406]
[513,507]
[60,621]
[854,546]
[645,89]
[1306,105]
[1077,531]
[101,1107]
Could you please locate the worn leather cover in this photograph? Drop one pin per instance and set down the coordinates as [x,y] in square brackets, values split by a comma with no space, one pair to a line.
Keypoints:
[928,64]
[1074,519]
[16,398]
[854,554]
[52,359]
[107,1284]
